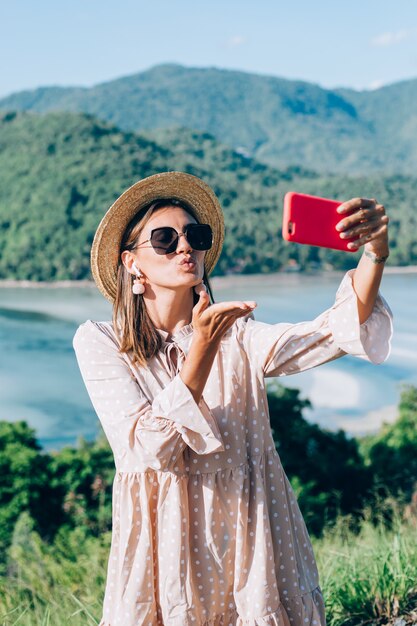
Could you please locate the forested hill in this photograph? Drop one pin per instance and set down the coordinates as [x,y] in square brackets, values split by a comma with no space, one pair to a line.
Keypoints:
[59,172]
[278,121]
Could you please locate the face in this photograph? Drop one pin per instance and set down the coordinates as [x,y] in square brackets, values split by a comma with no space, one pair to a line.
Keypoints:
[165,270]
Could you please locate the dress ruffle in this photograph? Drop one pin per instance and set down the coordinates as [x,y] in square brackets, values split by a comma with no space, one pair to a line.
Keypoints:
[370,340]
[307,609]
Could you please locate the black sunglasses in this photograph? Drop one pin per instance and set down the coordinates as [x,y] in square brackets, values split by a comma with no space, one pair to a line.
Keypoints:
[164,240]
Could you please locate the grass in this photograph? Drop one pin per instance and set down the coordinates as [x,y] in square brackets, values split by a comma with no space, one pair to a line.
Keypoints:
[55,585]
[370,577]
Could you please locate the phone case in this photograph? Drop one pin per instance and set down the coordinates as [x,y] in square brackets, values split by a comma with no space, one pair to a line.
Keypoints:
[312,220]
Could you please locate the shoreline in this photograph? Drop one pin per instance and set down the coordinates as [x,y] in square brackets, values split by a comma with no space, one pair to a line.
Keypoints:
[227,278]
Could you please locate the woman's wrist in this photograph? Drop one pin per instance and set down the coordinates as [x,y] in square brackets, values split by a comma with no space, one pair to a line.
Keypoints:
[377,257]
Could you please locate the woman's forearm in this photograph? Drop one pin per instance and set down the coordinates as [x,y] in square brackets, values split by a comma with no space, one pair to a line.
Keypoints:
[367,219]
[366,281]
[197,365]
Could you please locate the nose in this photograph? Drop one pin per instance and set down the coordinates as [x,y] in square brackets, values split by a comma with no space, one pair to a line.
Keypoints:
[183,244]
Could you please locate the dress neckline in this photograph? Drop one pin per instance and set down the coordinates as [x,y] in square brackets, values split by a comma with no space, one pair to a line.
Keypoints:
[184,331]
[179,334]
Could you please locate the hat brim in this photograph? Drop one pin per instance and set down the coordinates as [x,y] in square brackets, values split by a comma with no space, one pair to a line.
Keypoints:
[105,248]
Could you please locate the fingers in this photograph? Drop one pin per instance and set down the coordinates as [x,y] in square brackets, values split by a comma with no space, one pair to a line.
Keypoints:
[202,302]
[233,306]
[221,313]
[228,319]
[218,318]
[361,228]
[366,221]
[377,233]
[362,216]
[200,287]
[356,203]
[365,226]
[238,313]
[203,296]
[234,313]
[224,318]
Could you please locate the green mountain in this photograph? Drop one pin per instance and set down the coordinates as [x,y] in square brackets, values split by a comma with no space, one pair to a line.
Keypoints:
[59,172]
[277,121]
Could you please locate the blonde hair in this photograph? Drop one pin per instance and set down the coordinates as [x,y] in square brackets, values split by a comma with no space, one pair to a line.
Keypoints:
[136,332]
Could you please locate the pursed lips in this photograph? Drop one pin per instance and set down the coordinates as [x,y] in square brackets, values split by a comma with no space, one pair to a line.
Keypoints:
[189,260]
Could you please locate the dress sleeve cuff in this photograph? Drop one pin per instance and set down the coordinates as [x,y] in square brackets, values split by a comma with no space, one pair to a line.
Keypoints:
[195,422]
[371,340]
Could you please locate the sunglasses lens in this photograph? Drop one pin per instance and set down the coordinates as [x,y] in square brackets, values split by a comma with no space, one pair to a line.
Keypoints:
[200,236]
[164,240]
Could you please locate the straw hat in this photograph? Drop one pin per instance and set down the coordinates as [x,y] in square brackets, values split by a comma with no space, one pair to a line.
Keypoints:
[105,249]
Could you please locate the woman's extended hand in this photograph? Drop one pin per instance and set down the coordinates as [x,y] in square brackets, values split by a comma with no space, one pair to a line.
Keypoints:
[210,323]
[369,221]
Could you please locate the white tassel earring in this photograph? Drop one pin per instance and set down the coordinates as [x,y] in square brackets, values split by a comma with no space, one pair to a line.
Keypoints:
[137,287]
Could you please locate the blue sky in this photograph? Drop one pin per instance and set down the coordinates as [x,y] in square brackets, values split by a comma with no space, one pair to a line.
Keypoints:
[358,44]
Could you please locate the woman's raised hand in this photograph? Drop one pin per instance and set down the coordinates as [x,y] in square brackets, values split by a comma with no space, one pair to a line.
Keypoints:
[367,219]
[211,322]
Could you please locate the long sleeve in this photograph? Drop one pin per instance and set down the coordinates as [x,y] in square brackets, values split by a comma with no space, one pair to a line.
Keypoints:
[283,349]
[156,430]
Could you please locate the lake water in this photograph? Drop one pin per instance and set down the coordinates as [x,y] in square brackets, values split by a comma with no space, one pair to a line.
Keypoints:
[40,381]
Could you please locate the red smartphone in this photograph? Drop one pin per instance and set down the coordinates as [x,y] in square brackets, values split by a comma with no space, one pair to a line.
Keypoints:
[312,220]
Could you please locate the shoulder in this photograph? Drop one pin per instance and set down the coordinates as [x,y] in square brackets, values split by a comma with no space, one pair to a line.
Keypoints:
[82,331]
[92,331]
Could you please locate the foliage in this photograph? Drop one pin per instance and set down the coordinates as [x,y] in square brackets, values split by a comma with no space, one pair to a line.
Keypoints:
[85,474]
[280,122]
[25,484]
[61,171]
[68,489]
[392,451]
[319,463]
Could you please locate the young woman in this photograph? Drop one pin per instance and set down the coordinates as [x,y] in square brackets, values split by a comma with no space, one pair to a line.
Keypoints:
[206,527]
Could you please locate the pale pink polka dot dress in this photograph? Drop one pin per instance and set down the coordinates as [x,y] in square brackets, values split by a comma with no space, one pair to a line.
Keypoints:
[206,527]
